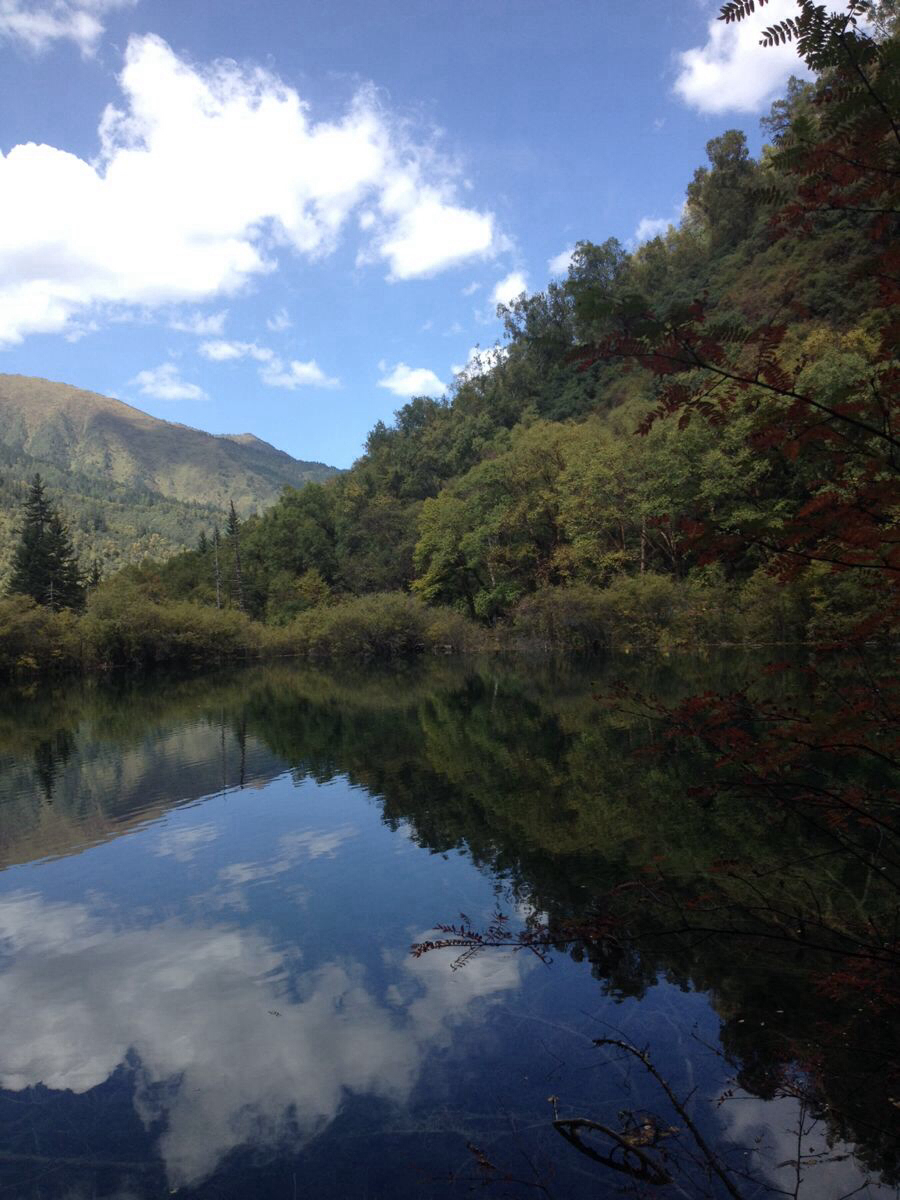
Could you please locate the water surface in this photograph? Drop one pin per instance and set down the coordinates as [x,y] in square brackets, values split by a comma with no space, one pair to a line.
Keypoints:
[209,891]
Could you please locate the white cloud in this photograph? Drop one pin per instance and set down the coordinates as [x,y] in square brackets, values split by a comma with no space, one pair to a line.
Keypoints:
[203,325]
[509,288]
[165,383]
[479,361]
[732,71]
[203,174]
[559,264]
[471,288]
[221,350]
[296,375]
[273,371]
[279,321]
[411,381]
[427,235]
[37,23]
[228,1040]
[650,227]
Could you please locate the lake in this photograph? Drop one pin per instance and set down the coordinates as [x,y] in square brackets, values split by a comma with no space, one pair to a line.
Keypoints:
[210,887]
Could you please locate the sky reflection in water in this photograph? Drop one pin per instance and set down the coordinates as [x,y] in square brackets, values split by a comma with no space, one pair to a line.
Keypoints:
[213,992]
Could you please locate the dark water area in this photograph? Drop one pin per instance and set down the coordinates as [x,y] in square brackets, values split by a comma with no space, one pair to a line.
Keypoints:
[208,892]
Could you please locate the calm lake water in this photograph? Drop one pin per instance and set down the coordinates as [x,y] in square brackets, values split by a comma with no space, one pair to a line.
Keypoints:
[209,891]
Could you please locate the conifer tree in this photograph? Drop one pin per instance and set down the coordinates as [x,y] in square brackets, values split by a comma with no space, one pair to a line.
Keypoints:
[216,542]
[233,530]
[45,565]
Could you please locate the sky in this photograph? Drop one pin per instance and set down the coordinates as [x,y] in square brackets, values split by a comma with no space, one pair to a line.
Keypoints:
[288,217]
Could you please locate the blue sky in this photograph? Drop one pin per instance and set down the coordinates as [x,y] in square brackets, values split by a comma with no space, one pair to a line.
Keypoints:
[286,217]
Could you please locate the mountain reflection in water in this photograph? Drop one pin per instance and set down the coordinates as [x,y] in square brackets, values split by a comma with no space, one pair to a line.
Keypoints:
[211,887]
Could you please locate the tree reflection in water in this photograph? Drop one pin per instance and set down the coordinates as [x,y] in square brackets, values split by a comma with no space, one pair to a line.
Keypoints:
[591,823]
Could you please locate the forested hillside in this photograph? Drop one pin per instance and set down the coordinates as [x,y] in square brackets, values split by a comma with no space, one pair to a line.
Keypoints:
[549,491]
[131,486]
[689,441]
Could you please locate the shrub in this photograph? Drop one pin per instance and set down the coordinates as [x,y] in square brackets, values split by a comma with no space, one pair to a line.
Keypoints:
[770,610]
[572,617]
[33,637]
[382,625]
[125,627]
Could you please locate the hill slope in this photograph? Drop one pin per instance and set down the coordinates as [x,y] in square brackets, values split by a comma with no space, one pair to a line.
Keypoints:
[130,485]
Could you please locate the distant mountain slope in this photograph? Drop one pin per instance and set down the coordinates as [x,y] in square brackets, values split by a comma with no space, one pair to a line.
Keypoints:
[130,485]
[103,438]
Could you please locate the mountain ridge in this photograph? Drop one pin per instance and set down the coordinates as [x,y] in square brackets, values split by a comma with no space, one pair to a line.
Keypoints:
[131,485]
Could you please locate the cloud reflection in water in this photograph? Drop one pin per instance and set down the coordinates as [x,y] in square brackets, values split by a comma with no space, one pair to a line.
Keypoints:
[195,1006]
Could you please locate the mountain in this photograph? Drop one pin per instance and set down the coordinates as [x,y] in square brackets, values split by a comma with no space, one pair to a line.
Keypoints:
[130,485]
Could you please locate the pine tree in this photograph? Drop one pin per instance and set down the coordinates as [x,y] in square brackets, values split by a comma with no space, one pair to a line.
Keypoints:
[202,542]
[216,542]
[66,586]
[233,529]
[45,566]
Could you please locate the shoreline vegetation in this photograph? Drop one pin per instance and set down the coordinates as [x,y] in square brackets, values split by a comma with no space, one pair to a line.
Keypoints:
[122,627]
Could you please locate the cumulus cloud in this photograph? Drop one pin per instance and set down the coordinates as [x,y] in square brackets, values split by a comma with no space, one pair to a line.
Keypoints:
[731,71]
[509,288]
[204,175]
[203,325]
[37,23]
[230,1042]
[411,381]
[273,371]
[165,383]
[559,264]
[296,375]
[430,234]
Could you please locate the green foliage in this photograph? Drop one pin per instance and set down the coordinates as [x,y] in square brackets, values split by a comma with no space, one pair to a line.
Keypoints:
[382,625]
[122,627]
[44,564]
[531,485]
[33,637]
[566,618]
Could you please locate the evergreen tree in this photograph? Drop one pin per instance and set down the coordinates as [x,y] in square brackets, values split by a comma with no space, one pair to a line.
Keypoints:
[218,575]
[202,542]
[45,566]
[65,587]
[233,530]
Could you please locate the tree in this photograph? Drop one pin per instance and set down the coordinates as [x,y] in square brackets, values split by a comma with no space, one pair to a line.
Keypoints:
[233,532]
[45,565]
[720,195]
[822,407]
[217,571]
